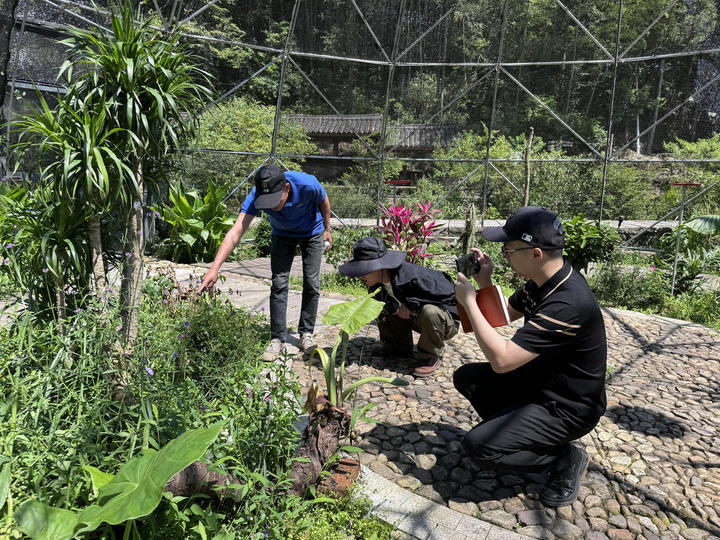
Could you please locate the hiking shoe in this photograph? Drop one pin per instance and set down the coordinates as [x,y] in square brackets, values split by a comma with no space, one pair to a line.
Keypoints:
[384,350]
[306,343]
[563,486]
[427,367]
[274,350]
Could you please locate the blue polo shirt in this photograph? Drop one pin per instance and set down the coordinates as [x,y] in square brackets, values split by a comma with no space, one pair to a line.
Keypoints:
[300,217]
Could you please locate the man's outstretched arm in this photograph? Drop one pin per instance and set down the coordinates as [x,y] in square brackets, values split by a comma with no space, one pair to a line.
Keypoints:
[229,243]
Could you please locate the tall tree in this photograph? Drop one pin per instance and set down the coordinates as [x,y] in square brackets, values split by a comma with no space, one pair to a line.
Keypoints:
[150,86]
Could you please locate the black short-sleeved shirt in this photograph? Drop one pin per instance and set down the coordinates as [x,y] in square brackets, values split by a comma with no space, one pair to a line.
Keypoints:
[564,325]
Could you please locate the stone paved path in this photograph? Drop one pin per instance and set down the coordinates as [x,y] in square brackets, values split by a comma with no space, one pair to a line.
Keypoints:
[654,457]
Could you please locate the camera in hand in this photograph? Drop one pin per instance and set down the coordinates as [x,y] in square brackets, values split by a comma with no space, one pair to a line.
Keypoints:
[468,265]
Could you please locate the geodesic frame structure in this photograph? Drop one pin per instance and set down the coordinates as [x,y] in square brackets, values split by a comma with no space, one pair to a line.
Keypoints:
[400,45]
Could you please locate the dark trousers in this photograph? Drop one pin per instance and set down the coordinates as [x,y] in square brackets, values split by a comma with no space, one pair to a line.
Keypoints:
[515,435]
[282,253]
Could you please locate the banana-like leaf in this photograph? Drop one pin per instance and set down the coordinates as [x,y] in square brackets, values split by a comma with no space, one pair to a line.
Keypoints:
[98,477]
[4,483]
[353,315]
[705,224]
[328,364]
[137,488]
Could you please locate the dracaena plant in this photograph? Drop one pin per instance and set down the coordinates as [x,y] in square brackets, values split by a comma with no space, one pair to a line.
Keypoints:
[409,229]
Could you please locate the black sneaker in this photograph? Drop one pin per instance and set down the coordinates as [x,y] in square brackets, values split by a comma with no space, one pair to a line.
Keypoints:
[562,487]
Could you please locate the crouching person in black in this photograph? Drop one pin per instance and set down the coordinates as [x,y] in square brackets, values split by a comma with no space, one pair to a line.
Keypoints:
[545,387]
[416,298]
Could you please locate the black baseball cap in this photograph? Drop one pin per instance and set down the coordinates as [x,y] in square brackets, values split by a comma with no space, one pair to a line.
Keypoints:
[534,225]
[269,184]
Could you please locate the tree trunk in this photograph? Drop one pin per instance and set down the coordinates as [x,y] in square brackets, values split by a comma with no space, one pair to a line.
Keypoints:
[60,306]
[658,95]
[96,254]
[196,478]
[327,426]
[132,270]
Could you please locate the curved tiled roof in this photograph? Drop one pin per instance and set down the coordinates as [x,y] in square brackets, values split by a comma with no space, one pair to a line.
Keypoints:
[408,135]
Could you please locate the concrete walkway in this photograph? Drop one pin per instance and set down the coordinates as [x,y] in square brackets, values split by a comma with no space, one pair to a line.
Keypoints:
[654,458]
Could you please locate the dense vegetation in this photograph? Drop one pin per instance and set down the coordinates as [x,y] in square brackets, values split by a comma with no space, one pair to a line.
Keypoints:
[84,391]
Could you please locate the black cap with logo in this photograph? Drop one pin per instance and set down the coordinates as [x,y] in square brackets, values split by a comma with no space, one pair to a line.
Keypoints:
[269,184]
[534,225]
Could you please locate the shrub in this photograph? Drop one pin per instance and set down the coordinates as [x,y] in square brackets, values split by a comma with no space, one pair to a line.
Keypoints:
[76,401]
[630,288]
[197,224]
[696,255]
[409,230]
[588,241]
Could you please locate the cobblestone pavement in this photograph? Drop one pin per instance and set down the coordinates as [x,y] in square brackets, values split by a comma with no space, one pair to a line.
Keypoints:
[654,457]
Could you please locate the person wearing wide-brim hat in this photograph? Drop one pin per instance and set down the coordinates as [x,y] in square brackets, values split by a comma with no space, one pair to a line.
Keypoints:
[544,387]
[416,299]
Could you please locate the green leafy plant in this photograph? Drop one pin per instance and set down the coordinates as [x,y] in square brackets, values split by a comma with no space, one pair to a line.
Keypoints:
[345,518]
[133,493]
[638,288]
[705,224]
[44,249]
[197,224]
[696,254]
[343,241]
[588,241]
[352,316]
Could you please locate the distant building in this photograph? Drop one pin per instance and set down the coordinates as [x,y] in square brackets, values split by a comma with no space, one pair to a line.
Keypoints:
[334,135]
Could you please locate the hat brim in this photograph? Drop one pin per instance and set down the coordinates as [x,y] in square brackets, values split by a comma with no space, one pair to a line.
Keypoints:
[269,200]
[355,268]
[496,234]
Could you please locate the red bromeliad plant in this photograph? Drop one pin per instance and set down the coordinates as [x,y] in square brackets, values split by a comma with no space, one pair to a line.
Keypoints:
[410,230]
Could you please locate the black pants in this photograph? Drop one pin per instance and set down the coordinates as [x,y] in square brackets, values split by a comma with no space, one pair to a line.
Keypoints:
[514,435]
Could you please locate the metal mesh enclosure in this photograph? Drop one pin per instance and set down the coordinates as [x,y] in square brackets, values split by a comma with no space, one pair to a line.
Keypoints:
[446,95]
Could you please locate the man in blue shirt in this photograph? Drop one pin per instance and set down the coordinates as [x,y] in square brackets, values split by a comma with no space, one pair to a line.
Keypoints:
[299,212]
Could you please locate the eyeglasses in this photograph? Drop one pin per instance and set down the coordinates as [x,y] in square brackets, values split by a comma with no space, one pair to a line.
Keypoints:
[505,251]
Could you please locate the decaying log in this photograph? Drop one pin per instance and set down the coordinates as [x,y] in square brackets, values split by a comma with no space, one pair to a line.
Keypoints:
[196,478]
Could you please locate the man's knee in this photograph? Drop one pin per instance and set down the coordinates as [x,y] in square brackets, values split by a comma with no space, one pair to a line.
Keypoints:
[433,315]
[436,321]
[280,282]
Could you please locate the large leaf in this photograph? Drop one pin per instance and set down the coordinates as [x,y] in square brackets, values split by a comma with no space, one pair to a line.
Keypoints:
[137,488]
[353,315]
[705,224]
[44,522]
[99,478]
[4,482]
